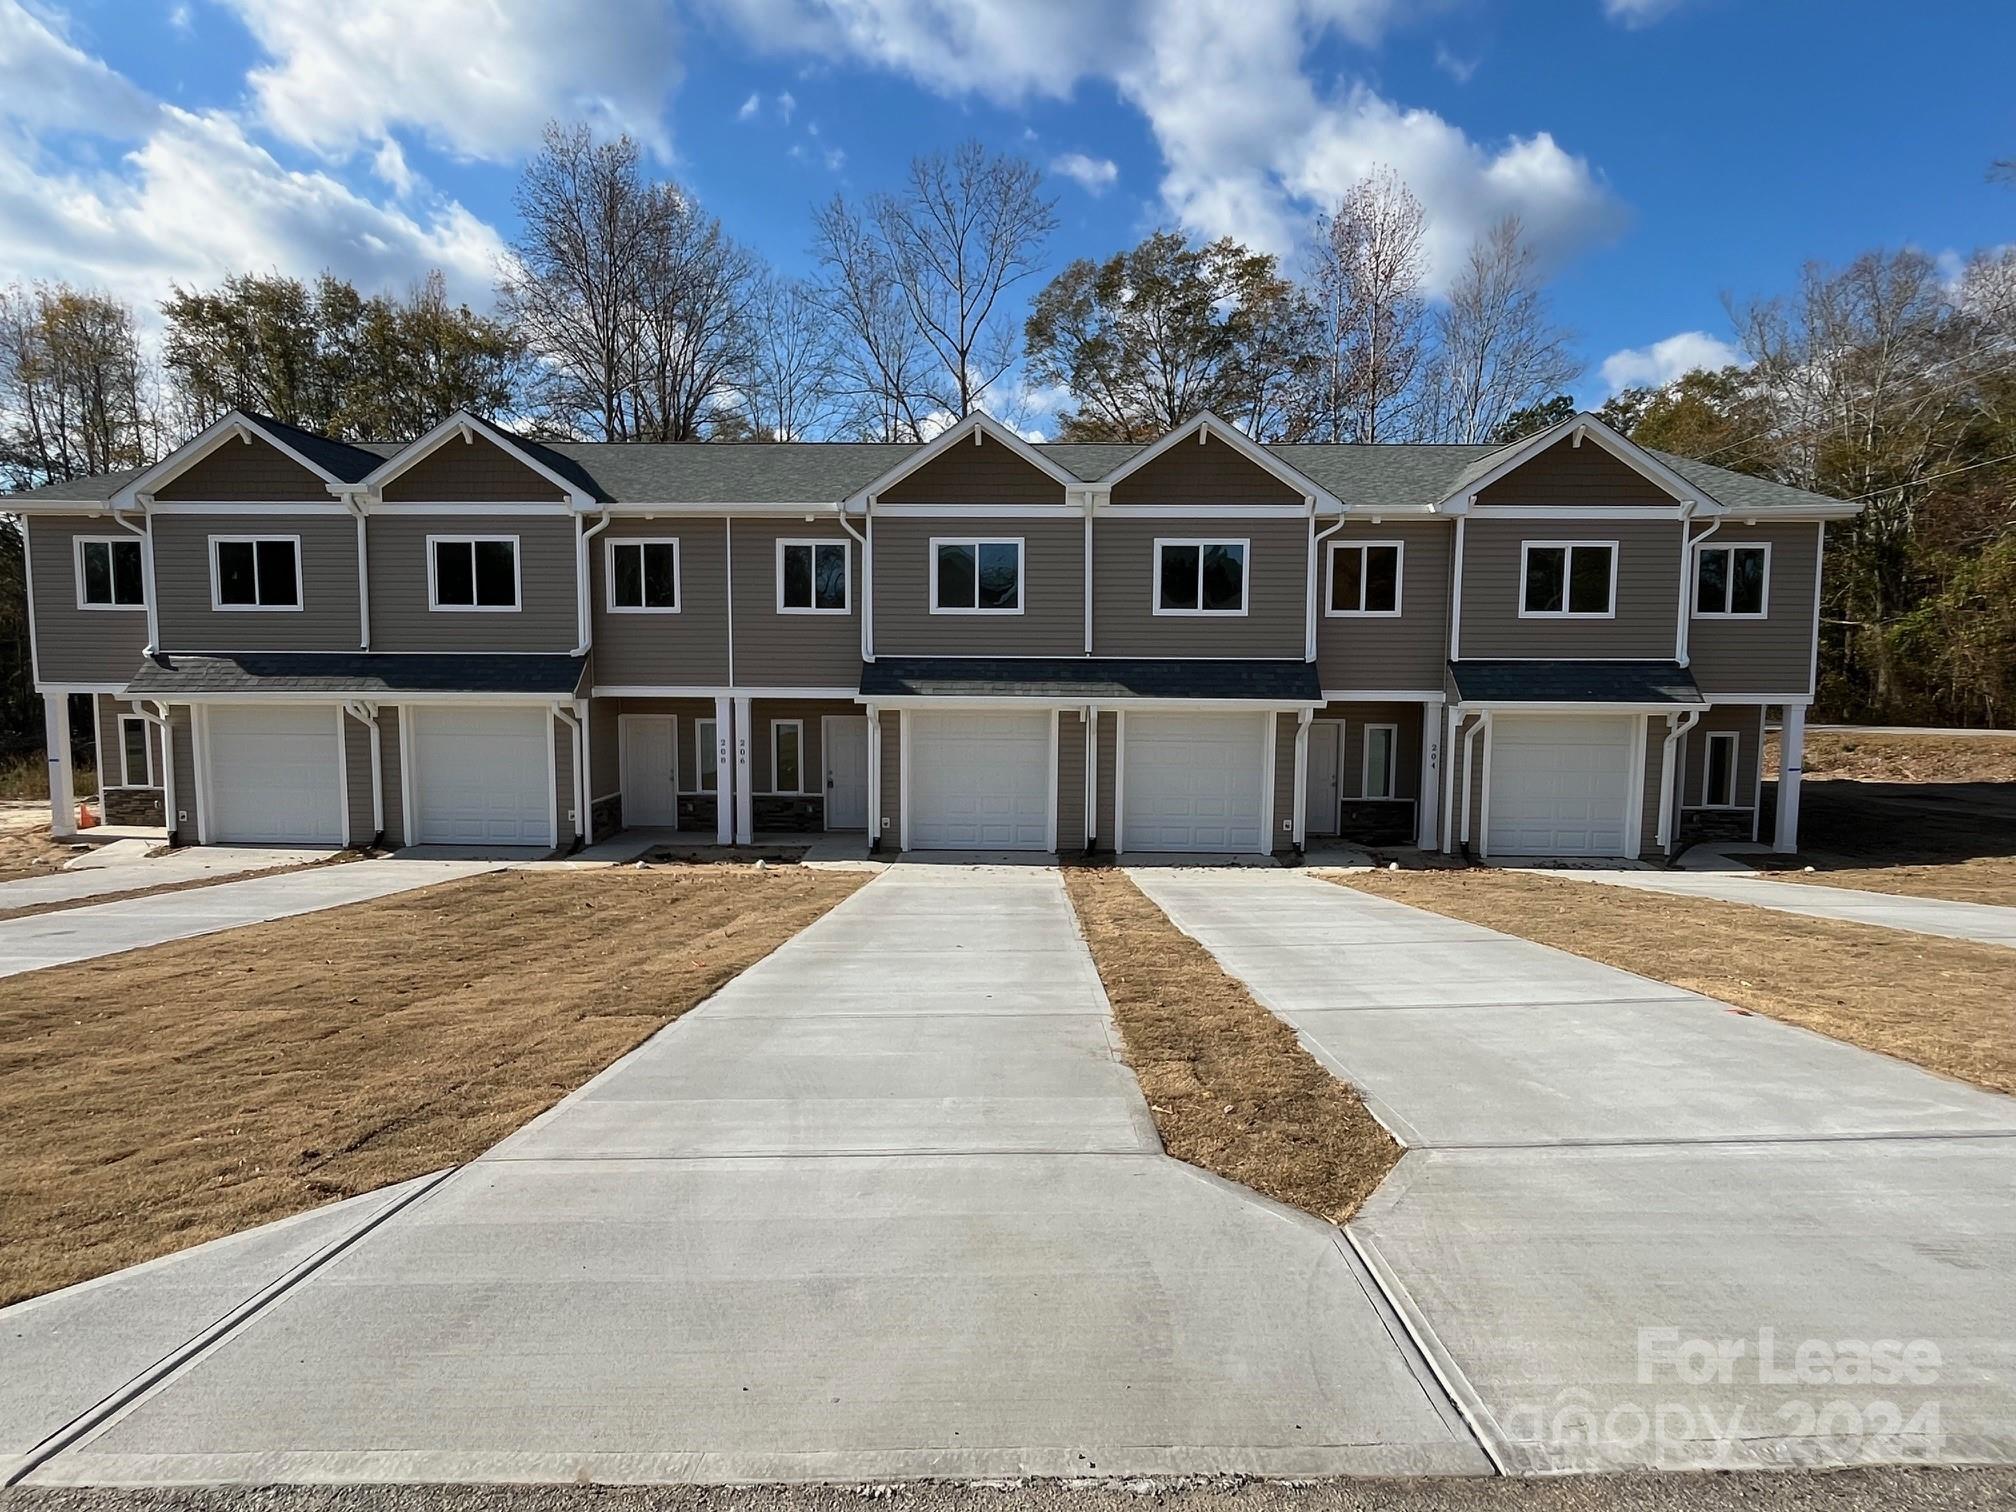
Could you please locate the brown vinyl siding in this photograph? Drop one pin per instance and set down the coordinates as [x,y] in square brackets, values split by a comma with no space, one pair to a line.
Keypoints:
[605,749]
[106,712]
[183,824]
[1740,720]
[1107,754]
[891,803]
[245,472]
[545,619]
[74,644]
[1123,590]
[357,777]
[1647,601]
[564,787]
[1205,474]
[1282,824]
[1407,751]
[1052,621]
[1577,475]
[981,475]
[764,712]
[1410,651]
[1071,731]
[1648,806]
[480,472]
[1769,655]
[684,650]
[388,753]
[774,650]
[327,619]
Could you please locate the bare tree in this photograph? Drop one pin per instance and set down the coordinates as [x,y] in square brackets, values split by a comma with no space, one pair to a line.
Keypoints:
[695,331]
[77,393]
[1499,350]
[1370,263]
[882,360]
[793,389]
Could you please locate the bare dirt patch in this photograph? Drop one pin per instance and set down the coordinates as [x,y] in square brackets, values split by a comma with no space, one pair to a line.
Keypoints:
[1231,1088]
[1946,1005]
[1908,757]
[153,1100]
[27,849]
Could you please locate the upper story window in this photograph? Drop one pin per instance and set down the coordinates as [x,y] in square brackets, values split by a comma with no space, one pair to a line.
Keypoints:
[1730,582]
[110,574]
[255,572]
[812,577]
[643,577]
[1568,580]
[976,577]
[1200,577]
[1364,577]
[472,572]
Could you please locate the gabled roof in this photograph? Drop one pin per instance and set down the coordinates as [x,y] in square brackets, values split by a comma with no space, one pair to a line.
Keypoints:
[1486,470]
[1262,457]
[334,462]
[973,427]
[564,475]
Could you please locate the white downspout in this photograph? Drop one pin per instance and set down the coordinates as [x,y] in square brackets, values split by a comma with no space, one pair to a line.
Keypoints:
[1089,717]
[350,502]
[160,722]
[1469,738]
[1677,725]
[1301,804]
[1689,554]
[146,533]
[1456,597]
[867,587]
[583,534]
[568,717]
[367,715]
[1316,540]
[1091,503]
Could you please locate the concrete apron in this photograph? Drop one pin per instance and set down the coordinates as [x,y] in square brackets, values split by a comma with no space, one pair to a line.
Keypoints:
[888,1205]
[1625,1208]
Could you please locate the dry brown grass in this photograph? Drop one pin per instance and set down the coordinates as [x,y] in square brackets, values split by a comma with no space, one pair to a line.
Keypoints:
[1968,879]
[1901,758]
[153,1100]
[1947,1005]
[1231,1088]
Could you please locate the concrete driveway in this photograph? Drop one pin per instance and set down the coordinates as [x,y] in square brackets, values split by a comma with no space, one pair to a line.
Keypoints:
[888,1205]
[196,863]
[1627,1208]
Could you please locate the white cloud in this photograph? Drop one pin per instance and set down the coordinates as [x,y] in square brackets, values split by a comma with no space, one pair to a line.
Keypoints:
[182,20]
[787,106]
[750,107]
[1660,363]
[1636,13]
[1462,70]
[47,81]
[1093,175]
[476,77]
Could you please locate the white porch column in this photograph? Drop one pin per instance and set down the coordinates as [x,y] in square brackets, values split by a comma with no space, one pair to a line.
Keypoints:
[724,771]
[874,775]
[745,808]
[62,790]
[1428,809]
[1791,767]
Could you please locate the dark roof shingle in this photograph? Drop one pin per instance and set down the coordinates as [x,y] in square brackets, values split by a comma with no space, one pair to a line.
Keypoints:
[1559,682]
[1089,677]
[360,674]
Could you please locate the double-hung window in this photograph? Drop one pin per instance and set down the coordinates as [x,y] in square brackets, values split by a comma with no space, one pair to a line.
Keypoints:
[812,577]
[643,577]
[136,752]
[1200,577]
[110,574]
[255,572]
[472,572]
[787,755]
[1730,582]
[1568,580]
[976,576]
[1364,577]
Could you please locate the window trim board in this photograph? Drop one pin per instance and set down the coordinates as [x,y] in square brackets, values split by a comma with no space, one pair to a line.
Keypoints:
[78,543]
[146,744]
[217,603]
[846,575]
[1330,609]
[1526,550]
[777,790]
[609,547]
[434,604]
[1245,546]
[1735,739]
[1365,792]
[1701,549]
[976,542]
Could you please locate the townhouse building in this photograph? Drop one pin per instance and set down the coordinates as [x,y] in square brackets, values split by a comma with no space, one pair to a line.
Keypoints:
[1566,646]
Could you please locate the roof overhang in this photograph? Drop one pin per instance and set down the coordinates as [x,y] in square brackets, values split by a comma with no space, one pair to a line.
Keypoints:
[977,428]
[367,676]
[1575,430]
[1071,681]
[236,426]
[1208,426]
[1545,686]
[465,427]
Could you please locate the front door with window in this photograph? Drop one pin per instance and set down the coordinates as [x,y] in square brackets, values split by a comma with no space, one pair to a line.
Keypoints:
[650,771]
[1326,771]
[844,741]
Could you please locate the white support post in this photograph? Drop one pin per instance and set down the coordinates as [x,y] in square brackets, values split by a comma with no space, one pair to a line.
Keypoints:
[724,770]
[1428,810]
[745,807]
[62,789]
[1791,767]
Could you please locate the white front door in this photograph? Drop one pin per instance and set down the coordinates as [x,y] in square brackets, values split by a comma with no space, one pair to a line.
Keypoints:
[843,738]
[1326,771]
[650,771]
[1561,785]
[979,781]
[483,776]
[274,774]
[1195,782]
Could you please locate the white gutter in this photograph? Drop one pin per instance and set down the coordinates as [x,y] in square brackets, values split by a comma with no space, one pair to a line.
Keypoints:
[1689,555]
[1301,804]
[1089,717]
[367,715]
[146,534]
[583,534]
[568,717]
[1456,599]
[1483,724]
[867,589]
[160,722]
[356,508]
[1676,726]
[1091,501]
[1316,539]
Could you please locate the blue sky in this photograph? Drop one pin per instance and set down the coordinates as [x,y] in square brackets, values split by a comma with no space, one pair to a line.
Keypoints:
[1661,152]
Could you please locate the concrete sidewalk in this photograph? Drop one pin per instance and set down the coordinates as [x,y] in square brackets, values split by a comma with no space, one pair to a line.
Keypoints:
[1603,1168]
[103,929]
[201,863]
[886,1206]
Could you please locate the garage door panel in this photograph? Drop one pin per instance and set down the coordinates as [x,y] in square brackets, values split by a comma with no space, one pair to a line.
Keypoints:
[1561,786]
[275,774]
[979,781]
[483,776]
[1195,782]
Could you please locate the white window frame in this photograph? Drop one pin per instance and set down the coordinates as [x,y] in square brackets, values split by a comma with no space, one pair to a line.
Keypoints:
[255,541]
[434,603]
[813,543]
[1729,581]
[706,757]
[1392,764]
[976,542]
[609,549]
[1201,543]
[108,542]
[146,744]
[777,788]
[1330,580]
[1526,550]
[1708,768]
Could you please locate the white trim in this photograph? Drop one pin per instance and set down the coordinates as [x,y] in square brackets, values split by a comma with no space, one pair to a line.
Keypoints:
[78,543]
[812,544]
[464,425]
[776,790]
[394,699]
[217,604]
[199,748]
[1270,744]
[826,767]
[409,818]
[1051,790]
[701,754]
[1641,512]
[1119,781]
[1758,698]
[1392,764]
[976,542]
[434,604]
[1579,426]
[117,689]
[728,594]
[552,780]
[1298,819]
[1204,512]
[1695,611]
[745,813]
[983,511]
[1428,798]
[1819,567]
[1634,816]
[241,507]
[1208,424]
[1567,550]
[452,507]
[1382,695]
[342,778]
[1575,706]
[875,776]
[609,547]
[1245,546]
[975,424]
[903,779]
[233,425]
[849,694]
[1330,609]
[125,767]
[1735,739]
[995,702]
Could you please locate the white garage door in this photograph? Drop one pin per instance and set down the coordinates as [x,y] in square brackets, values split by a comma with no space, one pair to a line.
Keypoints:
[1560,786]
[1196,782]
[483,776]
[275,774]
[979,781]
